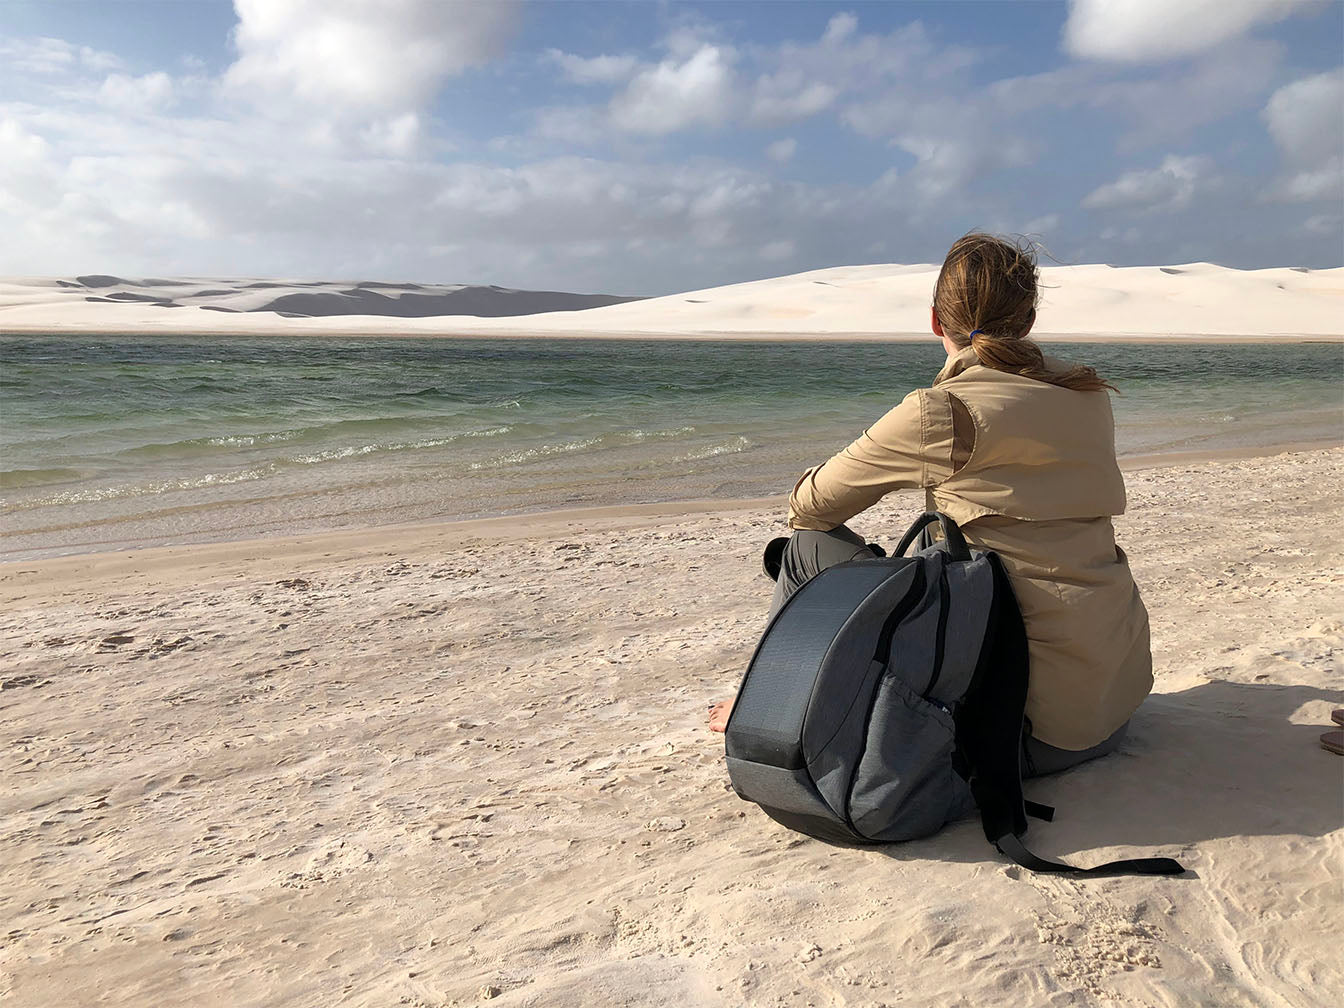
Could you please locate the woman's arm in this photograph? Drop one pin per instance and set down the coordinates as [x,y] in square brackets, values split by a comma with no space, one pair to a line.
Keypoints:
[919,443]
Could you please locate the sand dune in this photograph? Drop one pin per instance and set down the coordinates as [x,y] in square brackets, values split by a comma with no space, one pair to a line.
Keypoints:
[1198,299]
[454,764]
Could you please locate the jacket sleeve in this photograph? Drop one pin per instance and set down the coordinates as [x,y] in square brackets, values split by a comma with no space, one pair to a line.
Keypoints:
[912,446]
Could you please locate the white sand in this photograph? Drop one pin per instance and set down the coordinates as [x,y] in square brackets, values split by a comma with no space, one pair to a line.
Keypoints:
[1194,300]
[455,763]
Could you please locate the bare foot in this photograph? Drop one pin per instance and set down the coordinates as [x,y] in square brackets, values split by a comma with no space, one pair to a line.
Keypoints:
[718,715]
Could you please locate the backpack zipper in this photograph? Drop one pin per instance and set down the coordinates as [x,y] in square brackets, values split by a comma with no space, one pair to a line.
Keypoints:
[882,653]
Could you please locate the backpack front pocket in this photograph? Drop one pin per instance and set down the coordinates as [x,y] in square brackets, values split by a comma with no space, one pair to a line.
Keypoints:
[904,785]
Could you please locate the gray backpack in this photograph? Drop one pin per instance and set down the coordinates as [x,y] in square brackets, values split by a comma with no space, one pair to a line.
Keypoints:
[886,699]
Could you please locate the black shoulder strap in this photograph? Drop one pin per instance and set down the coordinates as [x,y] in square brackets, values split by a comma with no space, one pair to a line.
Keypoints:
[989,717]
[989,739]
[1045,813]
[1013,848]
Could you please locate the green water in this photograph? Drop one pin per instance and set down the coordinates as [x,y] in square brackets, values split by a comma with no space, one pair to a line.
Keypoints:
[107,442]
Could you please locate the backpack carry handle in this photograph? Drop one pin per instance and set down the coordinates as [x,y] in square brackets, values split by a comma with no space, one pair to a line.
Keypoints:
[956,542]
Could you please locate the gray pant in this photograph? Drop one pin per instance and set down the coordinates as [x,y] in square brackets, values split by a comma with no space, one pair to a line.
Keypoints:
[808,553]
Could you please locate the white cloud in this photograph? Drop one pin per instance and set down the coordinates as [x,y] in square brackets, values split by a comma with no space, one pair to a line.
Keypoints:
[906,90]
[20,146]
[1041,225]
[1122,236]
[26,178]
[396,137]
[209,195]
[1144,108]
[350,54]
[593,69]
[1325,224]
[677,93]
[705,81]
[954,140]
[574,124]
[729,192]
[1170,186]
[136,93]
[96,177]
[800,80]
[53,56]
[840,27]
[788,97]
[1163,108]
[1306,120]
[1143,30]
[1326,182]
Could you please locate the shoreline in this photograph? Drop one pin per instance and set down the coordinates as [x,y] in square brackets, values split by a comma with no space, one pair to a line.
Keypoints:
[284,550]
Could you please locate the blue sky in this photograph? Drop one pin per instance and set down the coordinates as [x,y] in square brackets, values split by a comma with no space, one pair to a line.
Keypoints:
[649,147]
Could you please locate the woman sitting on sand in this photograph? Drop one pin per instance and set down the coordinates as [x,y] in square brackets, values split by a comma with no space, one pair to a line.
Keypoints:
[1019,449]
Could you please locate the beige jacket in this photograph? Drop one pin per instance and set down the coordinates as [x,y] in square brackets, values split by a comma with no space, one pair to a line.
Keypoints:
[1028,470]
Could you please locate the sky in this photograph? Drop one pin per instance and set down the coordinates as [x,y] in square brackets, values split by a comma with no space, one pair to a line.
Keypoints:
[653,147]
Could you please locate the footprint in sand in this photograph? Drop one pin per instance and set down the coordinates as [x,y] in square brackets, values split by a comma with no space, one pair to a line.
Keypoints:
[161,646]
[332,860]
[19,681]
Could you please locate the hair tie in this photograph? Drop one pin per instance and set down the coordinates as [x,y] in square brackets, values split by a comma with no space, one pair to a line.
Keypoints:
[975,333]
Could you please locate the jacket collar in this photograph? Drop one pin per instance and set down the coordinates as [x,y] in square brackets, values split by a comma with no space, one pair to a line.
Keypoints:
[956,364]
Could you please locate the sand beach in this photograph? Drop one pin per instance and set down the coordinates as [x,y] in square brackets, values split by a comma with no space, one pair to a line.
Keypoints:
[459,763]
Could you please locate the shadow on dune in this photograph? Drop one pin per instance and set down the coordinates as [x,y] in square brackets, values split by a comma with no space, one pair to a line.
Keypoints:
[325,300]
[1217,760]
[129,296]
[483,302]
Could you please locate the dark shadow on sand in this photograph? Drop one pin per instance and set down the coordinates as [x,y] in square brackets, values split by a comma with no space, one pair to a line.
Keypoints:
[1217,760]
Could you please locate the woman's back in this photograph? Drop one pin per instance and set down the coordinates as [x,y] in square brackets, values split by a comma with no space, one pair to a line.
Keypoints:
[1028,470]
[1031,450]
[1039,487]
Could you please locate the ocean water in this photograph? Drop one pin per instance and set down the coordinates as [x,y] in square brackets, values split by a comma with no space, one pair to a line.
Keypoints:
[117,441]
